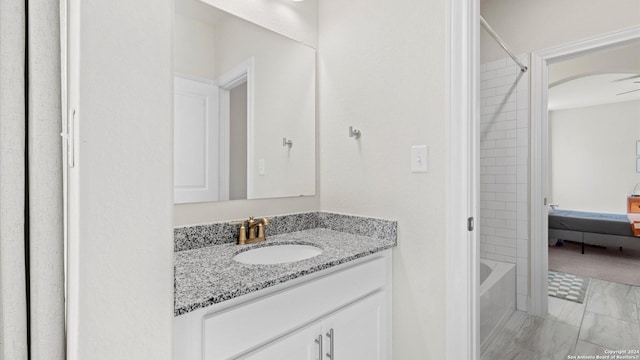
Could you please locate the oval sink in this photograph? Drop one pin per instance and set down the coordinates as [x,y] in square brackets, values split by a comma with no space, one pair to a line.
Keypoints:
[277,254]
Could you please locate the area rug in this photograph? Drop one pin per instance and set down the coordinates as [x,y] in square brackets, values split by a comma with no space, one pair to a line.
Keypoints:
[567,286]
[609,264]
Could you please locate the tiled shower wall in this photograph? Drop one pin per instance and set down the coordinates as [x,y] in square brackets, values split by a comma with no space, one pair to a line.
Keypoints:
[504,164]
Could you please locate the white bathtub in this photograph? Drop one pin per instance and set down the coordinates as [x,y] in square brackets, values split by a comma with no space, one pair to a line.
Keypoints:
[497,298]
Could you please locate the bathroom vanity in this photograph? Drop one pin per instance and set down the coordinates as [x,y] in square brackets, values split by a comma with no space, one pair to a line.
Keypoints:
[335,305]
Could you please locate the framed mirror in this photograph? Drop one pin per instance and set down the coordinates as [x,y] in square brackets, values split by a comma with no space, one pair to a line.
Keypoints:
[244,109]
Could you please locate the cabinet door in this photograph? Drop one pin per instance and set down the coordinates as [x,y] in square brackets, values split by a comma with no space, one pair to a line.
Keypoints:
[358,330]
[304,344]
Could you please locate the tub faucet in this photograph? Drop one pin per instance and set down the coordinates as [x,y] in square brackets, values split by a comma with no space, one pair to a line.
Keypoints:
[256,230]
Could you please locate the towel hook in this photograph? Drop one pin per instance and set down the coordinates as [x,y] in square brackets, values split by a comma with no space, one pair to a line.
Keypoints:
[286,142]
[354,132]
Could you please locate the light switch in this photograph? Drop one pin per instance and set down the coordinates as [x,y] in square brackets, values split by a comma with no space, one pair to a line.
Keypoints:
[419,158]
[261,167]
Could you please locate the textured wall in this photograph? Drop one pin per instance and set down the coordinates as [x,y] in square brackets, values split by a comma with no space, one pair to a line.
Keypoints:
[382,70]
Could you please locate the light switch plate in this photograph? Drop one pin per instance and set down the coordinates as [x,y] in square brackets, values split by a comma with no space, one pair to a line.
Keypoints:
[419,158]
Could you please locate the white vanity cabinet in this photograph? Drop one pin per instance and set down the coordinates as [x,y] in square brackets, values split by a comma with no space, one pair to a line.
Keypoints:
[354,332]
[341,313]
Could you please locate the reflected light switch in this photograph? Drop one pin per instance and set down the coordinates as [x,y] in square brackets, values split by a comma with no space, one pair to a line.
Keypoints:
[419,158]
[261,167]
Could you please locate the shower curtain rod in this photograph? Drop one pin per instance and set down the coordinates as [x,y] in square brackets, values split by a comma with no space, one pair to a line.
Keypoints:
[501,43]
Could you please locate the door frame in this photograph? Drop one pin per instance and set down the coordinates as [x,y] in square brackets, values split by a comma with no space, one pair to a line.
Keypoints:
[540,61]
[463,156]
[239,74]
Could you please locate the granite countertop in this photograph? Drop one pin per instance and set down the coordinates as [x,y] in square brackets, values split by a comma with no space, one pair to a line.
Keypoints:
[208,275]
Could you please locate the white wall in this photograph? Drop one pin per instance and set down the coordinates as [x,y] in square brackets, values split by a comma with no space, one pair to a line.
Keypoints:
[382,70]
[527,25]
[193,47]
[592,151]
[296,20]
[617,60]
[121,250]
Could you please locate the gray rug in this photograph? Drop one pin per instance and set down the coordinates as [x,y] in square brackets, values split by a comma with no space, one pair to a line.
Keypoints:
[567,286]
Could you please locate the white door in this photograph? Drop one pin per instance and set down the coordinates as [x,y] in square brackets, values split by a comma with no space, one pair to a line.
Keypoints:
[357,331]
[195,141]
[304,344]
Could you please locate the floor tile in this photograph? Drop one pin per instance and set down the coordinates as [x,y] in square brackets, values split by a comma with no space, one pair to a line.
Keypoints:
[547,337]
[585,348]
[516,320]
[612,289]
[564,311]
[510,352]
[609,332]
[615,307]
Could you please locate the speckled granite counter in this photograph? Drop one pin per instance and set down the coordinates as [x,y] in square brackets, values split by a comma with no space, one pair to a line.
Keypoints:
[208,275]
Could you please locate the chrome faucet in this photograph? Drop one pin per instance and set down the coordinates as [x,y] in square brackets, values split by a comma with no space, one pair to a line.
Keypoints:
[256,230]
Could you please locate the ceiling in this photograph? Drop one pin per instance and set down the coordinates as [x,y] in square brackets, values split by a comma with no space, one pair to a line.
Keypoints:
[595,90]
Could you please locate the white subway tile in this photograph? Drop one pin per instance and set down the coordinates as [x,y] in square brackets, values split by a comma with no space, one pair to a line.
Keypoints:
[496,64]
[507,125]
[523,137]
[522,155]
[488,161]
[488,144]
[510,134]
[495,205]
[511,115]
[523,249]
[522,191]
[505,179]
[487,110]
[500,188]
[522,284]
[488,92]
[488,75]
[511,224]
[522,173]
[511,206]
[504,161]
[523,210]
[506,251]
[495,223]
[510,215]
[522,268]
[487,179]
[523,232]
[509,197]
[509,234]
[496,82]
[484,195]
[506,143]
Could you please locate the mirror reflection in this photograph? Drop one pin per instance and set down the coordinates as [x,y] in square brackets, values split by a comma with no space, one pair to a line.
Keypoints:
[244,109]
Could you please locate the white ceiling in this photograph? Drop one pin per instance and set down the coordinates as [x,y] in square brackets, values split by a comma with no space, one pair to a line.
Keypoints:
[594,90]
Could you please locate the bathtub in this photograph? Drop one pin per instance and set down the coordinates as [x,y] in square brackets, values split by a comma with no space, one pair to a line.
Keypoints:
[497,298]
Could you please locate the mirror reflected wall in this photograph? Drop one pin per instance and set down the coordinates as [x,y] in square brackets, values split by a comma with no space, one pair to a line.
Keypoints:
[244,109]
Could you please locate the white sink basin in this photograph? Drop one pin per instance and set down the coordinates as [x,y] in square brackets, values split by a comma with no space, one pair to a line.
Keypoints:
[277,254]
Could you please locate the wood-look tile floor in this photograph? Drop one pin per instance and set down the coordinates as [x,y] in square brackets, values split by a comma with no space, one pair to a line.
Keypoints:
[608,320]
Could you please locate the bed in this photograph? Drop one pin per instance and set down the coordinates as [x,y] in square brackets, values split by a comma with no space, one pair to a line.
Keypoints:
[592,228]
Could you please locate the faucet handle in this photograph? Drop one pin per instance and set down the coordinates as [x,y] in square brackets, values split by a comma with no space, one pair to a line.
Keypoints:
[242,236]
[266,221]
